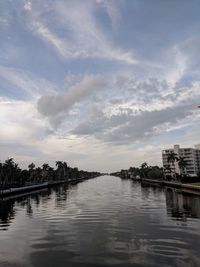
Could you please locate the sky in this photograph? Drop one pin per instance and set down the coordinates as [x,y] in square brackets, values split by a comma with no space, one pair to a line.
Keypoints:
[100,84]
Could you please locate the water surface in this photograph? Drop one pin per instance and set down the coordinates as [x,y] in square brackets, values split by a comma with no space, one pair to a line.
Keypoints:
[105,221]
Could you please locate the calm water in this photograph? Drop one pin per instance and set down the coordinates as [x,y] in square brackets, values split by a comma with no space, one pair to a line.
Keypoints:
[101,222]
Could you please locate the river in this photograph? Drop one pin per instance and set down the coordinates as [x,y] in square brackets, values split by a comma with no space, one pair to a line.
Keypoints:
[104,221]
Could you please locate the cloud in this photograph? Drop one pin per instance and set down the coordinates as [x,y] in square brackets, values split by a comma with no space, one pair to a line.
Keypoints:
[189,48]
[20,120]
[29,84]
[28,5]
[80,34]
[120,109]
[130,128]
[144,110]
[53,105]
[112,9]
[179,67]
[51,38]
[142,84]
[184,60]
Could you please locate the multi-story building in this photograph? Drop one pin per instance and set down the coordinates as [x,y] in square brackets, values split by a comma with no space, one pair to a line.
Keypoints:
[191,156]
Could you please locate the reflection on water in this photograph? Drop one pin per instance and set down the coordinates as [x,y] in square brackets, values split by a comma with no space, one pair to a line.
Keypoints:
[181,205]
[101,222]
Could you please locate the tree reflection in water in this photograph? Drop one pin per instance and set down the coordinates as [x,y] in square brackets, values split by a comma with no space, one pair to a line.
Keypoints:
[107,220]
[179,205]
[8,206]
[182,205]
[7,213]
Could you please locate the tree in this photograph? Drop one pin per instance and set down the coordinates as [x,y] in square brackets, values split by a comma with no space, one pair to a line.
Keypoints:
[1,174]
[134,172]
[45,171]
[31,168]
[171,158]
[9,167]
[155,172]
[60,169]
[167,170]
[144,167]
[38,174]
[12,175]
[16,174]
[182,163]
[65,170]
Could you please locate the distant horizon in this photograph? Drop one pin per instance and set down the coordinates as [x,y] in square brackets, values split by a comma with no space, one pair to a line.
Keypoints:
[101,84]
[52,163]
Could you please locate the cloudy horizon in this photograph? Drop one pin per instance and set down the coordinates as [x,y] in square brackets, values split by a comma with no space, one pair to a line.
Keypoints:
[100,84]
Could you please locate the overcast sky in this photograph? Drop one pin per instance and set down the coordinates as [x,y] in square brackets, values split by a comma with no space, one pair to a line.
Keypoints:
[101,84]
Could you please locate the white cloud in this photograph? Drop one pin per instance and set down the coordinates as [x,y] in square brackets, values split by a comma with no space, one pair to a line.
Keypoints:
[26,81]
[179,67]
[51,38]
[121,110]
[21,123]
[140,112]
[83,36]
[28,5]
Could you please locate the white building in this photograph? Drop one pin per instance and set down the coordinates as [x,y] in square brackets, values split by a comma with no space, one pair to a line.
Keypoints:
[191,156]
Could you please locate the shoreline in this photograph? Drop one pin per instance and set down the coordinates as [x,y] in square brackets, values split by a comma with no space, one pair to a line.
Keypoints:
[187,188]
[31,188]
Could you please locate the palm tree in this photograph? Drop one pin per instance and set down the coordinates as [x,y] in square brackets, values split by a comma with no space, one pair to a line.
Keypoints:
[38,174]
[31,168]
[171,158]
[182,163]
[1,174]
[60,169]
[9,167]
[16,174]
[143,169]
[45,171]
[167,169]
[65,169]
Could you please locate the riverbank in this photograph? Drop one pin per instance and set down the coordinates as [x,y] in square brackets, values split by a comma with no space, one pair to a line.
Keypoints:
[31,188]
[24,189]
[190,188]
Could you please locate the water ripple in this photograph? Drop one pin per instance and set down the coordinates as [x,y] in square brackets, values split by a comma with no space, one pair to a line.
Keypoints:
[104,220]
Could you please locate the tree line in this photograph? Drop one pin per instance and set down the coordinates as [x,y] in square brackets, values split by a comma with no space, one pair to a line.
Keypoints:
[155,172]
[144,171]
[11,175]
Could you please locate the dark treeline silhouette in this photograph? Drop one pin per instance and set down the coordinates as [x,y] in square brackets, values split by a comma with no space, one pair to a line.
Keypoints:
[168,173]
[11,175]
[144,171]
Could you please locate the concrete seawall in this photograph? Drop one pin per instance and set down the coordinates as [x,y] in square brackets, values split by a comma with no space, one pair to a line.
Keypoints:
[190,187]
[19,190]
[31,188]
